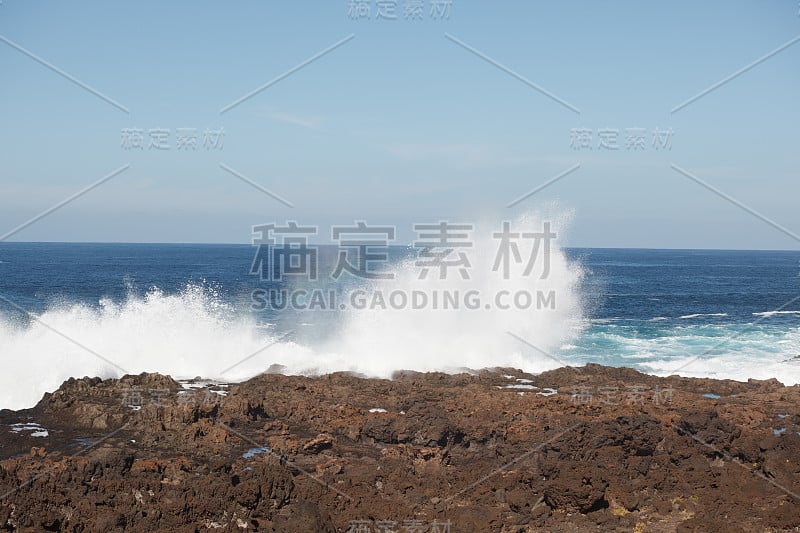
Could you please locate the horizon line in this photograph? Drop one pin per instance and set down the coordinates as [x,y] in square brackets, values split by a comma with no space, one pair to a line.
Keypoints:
[408,245]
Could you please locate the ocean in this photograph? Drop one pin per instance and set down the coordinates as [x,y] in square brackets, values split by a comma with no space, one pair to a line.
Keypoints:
[70,310]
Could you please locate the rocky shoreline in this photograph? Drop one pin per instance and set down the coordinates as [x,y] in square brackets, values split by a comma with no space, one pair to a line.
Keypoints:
[575,449]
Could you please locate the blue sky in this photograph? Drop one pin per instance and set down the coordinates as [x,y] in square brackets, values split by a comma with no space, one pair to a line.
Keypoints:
[401,124]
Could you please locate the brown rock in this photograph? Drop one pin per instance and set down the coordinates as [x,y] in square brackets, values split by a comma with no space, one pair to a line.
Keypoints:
[459,448]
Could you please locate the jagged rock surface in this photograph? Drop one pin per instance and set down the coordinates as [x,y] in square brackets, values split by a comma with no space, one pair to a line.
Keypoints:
[280,453]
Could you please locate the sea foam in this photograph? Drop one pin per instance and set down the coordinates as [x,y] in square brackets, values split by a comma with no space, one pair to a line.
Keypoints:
[196,333]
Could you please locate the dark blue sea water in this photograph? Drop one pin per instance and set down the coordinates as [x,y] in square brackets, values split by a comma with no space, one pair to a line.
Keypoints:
[734,310]
[182,308]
